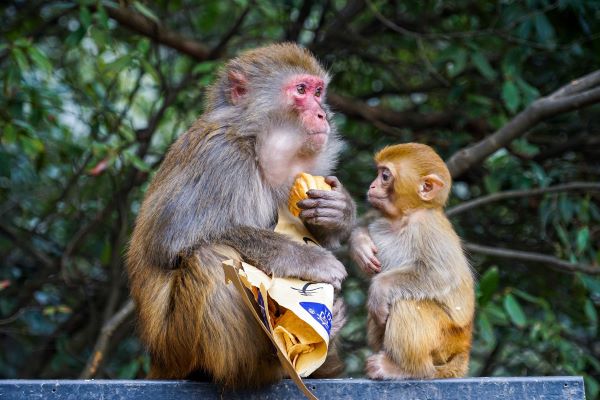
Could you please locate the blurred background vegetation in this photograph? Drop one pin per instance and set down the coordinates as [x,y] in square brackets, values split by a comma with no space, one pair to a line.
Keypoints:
[93,93]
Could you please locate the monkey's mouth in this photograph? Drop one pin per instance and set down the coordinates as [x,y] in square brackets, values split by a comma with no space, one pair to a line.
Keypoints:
[318,137]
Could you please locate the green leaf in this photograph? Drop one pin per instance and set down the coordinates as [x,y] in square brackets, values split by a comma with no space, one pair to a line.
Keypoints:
[137,162]
[31,146]
[127,133]
[75,37]
[40,59]
[514,311]
[149,68]
[529,92]
[566,208]
[583,239]
[119,64]
[205,67]
[459,59]
[491,183]
[510,96]
[9,135]
[85,17]
[488,285]
[483,66]
[485,328]
[592,387]
[106,253]
[20,58]
[592,284]
[590,312]
[543,28]
[102,17]
[145,11]
[21,42]
[129,371]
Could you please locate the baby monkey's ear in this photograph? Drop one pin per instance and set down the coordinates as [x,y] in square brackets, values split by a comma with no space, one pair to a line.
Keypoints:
[430,186]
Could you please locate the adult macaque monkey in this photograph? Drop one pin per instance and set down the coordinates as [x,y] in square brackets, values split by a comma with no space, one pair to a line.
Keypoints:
[421,299]
[216,196]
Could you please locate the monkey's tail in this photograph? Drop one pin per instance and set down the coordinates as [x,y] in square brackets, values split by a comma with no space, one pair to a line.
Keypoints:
[456,367]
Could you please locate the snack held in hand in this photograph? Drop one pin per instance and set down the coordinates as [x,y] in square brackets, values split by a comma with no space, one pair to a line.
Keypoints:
[304,182]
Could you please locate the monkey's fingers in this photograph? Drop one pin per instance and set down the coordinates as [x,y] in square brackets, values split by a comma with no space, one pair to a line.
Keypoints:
[334,182]
[325,222]
[368,266]
[326,194]
[323,203]
[375,262]
[320,212]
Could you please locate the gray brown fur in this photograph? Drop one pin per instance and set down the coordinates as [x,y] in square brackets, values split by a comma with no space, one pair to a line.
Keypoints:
[208,202]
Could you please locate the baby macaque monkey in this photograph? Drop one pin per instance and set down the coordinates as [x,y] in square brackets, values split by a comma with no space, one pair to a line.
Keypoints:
[421,297]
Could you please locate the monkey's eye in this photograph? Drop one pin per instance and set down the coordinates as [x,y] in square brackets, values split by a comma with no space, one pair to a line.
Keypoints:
[318,91]
[301,88]
[385,175]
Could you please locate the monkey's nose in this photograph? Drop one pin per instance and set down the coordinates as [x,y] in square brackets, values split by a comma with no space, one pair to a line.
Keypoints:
[320,115]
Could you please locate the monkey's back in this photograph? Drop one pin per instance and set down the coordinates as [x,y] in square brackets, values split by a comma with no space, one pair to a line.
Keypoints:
[188,318]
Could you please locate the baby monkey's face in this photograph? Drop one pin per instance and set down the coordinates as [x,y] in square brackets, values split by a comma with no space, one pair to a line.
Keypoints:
[381,191]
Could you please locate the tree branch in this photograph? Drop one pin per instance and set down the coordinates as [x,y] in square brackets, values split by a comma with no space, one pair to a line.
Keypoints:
[109,327]
[217,51]
[552,262]
[577,94]
[355,108]
[509,194]
[145,26]
[27,247]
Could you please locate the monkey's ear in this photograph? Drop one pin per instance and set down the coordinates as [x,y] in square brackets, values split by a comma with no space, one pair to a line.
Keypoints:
[430,186]
[238,86]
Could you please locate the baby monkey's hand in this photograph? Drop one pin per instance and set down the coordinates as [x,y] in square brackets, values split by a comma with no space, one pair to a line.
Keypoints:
[363,250]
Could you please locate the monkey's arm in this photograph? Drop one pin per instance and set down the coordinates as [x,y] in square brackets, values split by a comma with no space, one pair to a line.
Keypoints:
[389,285]
[329,215]
[275,254]
[363,250]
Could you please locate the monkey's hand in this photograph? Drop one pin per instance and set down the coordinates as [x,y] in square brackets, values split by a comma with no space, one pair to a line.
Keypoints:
[320,265]
[275,254]
[328,212]
[378,304]
[363,250]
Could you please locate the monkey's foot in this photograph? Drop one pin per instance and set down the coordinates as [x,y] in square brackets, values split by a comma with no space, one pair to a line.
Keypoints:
[379,367]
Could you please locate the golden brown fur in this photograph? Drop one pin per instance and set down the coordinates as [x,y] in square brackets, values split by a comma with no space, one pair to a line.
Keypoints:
[421,298]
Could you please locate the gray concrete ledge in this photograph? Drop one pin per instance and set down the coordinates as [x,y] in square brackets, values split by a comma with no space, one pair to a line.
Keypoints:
[547,388]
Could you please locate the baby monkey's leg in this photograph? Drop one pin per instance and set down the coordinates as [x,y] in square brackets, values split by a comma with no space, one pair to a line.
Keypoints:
[411,335]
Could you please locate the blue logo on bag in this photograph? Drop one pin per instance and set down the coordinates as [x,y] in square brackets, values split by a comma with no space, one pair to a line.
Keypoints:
[263,311]
[320,313]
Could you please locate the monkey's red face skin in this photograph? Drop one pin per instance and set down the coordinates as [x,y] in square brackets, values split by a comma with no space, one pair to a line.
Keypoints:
[381,192]
[304,94]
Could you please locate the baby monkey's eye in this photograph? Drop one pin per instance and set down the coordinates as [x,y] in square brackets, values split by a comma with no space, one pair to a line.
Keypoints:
[385,175]
[301,88]
[318,91]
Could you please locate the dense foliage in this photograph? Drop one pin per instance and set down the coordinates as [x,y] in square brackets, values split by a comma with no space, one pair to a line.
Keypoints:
[93,93]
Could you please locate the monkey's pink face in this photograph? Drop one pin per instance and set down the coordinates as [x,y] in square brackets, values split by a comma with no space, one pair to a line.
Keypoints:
[304,93]
[381,191]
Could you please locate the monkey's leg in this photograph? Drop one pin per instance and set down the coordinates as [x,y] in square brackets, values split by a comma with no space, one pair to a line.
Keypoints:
[191,320]
[375,332]
[412,333]
[456,367]
[234,350]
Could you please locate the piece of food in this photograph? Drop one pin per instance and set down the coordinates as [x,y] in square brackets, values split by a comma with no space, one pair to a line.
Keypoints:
[295,336]
[304,182]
